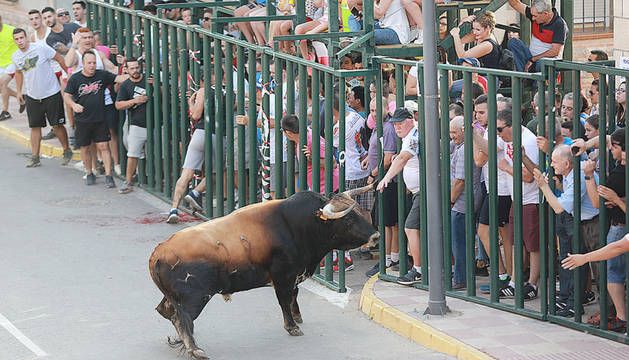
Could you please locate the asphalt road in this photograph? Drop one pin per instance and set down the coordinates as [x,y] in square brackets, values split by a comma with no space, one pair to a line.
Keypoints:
[75,283]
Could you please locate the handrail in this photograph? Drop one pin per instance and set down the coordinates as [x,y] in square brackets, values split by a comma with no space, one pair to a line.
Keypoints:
[198,5]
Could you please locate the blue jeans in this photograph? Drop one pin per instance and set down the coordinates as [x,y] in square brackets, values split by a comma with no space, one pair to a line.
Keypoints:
[354,24]
[385,36]
[565,231]
[521,54]
[616,266]
[458,246]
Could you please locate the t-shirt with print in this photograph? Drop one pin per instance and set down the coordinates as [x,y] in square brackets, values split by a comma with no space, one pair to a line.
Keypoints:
[545,35]
[354,150]
[54,40]
[131,90]
[89,92]
[272,131]
[410,144]
[35,64]
[530,192]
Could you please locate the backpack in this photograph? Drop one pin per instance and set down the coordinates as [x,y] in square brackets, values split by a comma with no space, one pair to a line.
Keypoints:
[507,61]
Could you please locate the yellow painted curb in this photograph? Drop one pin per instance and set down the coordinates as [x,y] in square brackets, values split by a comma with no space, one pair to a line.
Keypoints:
[411,328]
[45,149]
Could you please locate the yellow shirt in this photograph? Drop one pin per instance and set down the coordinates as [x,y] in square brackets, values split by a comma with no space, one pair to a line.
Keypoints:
[7,45]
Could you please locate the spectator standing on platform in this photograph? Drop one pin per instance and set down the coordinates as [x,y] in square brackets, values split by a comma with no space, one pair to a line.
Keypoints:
[7,48]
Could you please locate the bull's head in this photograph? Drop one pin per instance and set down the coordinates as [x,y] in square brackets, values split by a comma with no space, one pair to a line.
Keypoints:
[356,225]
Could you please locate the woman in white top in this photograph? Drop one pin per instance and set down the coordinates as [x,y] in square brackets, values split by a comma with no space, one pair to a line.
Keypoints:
[392,26]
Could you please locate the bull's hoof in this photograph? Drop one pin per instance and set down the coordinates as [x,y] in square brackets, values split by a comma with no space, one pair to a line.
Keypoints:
[174,342]
[296,331]
[198,354]
[298,319]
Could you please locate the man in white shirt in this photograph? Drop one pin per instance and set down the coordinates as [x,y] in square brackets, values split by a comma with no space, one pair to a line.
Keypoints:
[530,201]
[407,161]
[40,32]
[79,11]
[43,93]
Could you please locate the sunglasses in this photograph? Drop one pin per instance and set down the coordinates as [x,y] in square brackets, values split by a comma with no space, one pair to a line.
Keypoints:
[63,14]
[500,128]
[206,19]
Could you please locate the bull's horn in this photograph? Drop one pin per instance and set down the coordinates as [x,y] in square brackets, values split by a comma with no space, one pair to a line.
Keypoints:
[360,190]
[328,213]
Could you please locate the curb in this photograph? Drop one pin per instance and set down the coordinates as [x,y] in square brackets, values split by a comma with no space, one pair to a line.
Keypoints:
[45,149]
[413,329]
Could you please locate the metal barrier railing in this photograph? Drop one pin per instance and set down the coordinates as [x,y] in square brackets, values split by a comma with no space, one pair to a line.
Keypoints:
[233,151]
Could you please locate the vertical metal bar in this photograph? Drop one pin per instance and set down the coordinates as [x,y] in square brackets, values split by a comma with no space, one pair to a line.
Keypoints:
[469,188]
[219,120]
[158,83]
[342,147]
[517,191]
[423,206]
[280,179]
[576,172]
[207,119]
[174,106]
[552,241]
[445,179]
[316,146]
[150,126]
[229,127]
[603,225]
[542,287]
[290,109]
[240,110]
[183,88]
[303,166]
[265,163]
[253,139]
[626,214]
[329,185]
[128,34]
[167,120]
[492,184]
[381,171]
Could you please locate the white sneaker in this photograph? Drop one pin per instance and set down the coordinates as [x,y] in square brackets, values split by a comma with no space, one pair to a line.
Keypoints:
[117,170]
[413,32]
[419,40]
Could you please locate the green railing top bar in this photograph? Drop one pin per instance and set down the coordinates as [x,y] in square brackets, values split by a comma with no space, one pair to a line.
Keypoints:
[598,67]
[253,18]
[331,35]
[113,6]
[198,5]
[173,23]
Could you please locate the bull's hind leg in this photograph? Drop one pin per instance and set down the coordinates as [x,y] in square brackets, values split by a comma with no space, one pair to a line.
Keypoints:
[284,293]
[294,307]
[185,328]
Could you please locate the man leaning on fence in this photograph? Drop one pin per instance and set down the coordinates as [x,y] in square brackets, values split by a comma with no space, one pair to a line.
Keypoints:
[407,161]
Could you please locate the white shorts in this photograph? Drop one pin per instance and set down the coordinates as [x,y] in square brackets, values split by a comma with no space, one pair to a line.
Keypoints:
[8,70]
[196,151]
[137,139]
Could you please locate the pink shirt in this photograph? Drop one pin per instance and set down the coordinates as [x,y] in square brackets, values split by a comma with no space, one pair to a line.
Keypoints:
[335,171]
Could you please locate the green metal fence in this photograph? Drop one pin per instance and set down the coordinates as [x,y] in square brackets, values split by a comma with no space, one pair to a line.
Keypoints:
[237,157]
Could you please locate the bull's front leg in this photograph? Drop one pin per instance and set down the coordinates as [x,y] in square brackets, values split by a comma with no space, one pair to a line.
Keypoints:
[284,293]
[294,307]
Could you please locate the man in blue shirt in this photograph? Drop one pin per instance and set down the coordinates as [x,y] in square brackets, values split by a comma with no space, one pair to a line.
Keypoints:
[563,205]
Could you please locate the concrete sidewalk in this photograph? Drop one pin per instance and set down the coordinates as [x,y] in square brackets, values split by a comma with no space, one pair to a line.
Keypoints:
[473,331]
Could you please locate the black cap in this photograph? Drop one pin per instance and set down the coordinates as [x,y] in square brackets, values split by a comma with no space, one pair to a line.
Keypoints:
[400,114]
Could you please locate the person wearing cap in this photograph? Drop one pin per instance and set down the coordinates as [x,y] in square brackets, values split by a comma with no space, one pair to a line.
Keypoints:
[411,106]
[614,193]
[456,90]
[407,162]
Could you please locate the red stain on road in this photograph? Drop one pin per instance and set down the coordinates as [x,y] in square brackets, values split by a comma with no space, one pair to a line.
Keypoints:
[160,218]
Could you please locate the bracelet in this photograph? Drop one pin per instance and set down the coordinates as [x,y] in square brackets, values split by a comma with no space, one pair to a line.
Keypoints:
[587,177]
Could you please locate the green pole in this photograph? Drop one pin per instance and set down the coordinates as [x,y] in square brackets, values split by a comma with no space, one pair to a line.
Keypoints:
[469,188]
[253,140]
[381,172]
[423,211]
[208,120]
[240,110]
[150,126]
[445,180]
[168,121]
[290,109]
[576,171]
[517,191]
[492,184]
[157,103]
[543,217]
[303,167]
[279,144]
[229,120]
[174,107]
[329,95]
[316,146]
[219,120]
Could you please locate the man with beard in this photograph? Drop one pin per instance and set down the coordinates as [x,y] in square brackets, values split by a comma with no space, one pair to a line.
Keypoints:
[132,97]
[60,37]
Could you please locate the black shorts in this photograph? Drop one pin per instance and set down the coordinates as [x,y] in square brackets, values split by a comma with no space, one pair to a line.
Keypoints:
[504,205]
[50,108]
[88,132]
[412,220]
[111,116]
[389,199]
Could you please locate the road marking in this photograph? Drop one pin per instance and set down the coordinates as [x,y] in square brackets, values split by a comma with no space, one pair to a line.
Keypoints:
[339,299]
[21,337]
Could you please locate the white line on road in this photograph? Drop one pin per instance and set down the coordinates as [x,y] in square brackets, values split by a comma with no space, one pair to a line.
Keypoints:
[339,299]
[21,337]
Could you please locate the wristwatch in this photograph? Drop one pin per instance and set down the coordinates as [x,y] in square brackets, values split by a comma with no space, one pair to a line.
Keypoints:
[587,177]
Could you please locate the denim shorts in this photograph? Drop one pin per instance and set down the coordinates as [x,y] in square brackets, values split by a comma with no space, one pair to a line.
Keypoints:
[616,266]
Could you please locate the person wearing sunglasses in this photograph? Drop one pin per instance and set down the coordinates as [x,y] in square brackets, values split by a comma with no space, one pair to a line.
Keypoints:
[63,16]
